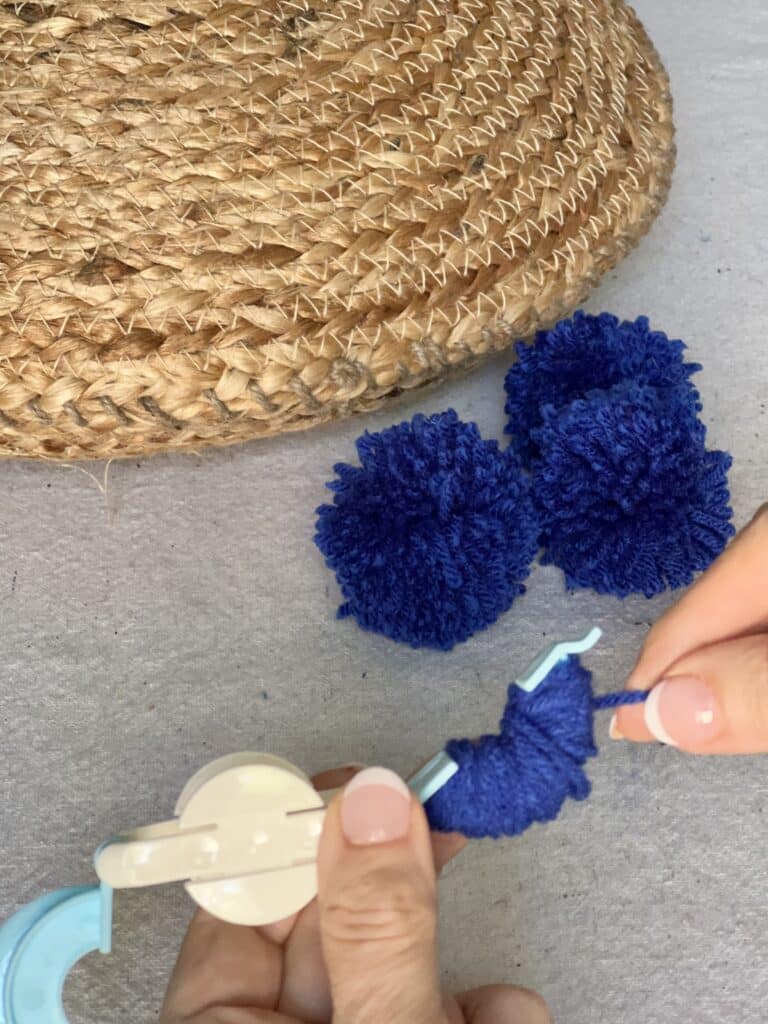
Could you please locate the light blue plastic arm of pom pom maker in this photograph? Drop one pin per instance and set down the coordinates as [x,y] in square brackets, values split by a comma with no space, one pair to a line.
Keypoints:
[41,944]
[431,777]
[436,772]
[543,664]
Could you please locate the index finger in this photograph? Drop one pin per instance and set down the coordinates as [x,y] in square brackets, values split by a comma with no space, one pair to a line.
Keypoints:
[728,600]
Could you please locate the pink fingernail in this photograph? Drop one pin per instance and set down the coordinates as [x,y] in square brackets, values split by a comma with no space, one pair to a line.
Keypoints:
[683,712]
[375,808]
[613,729]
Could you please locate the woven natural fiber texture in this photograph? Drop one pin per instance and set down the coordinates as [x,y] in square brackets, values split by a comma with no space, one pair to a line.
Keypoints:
[221,220]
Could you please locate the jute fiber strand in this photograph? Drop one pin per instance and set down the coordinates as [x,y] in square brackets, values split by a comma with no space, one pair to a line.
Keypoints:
[222,220]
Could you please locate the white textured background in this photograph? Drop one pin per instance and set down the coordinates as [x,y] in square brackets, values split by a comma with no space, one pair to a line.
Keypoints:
[187,614]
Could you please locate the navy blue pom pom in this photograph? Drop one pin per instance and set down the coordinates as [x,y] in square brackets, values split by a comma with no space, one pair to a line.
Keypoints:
[507,782]
[630,499]
[581,355]
[432,535]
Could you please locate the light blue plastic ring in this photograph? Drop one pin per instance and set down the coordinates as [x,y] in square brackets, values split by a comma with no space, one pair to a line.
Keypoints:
[41,944]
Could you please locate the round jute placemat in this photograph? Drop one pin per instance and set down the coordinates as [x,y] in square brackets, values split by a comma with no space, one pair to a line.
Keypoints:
[221,220]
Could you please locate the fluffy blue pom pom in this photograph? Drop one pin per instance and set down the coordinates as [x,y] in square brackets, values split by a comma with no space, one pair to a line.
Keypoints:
[583,354]
[630,499]
[507,782]
[432,535]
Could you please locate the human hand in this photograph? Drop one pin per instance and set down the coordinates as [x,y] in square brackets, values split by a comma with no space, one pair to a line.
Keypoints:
[364,952]
[706,659]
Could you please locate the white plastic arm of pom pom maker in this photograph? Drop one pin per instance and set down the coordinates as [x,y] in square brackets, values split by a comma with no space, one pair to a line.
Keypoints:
[244,839]
[543,663]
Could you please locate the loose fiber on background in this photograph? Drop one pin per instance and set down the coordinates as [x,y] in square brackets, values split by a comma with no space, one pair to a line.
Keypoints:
[224,220]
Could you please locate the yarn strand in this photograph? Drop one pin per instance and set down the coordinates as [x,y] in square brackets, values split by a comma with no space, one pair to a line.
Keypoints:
[620,699]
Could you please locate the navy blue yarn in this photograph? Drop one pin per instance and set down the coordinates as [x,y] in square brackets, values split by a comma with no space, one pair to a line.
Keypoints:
[507,782]
[630,499]
[584,354]
[619,700]
[432,535]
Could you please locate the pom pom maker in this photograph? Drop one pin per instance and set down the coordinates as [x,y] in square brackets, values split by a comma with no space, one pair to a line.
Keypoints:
[243,841]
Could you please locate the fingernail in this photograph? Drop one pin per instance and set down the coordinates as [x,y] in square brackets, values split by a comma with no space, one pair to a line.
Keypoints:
[375,808]
[683,712]
[613,729]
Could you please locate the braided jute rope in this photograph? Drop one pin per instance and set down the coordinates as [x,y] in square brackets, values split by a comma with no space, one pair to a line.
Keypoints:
[221,219]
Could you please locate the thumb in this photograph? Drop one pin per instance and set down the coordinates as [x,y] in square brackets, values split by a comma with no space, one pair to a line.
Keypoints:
[712,701]
[376,894]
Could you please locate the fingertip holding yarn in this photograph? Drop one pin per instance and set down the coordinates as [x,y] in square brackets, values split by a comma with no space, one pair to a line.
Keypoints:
[630,499]
[523,775]
[432,535]
[583,354]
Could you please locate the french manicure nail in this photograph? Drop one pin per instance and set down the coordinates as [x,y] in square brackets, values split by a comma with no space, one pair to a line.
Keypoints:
[682,711]
[375,808]
[613,729]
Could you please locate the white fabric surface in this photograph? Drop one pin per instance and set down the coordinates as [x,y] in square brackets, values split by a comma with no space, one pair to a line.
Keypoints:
[185,613]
